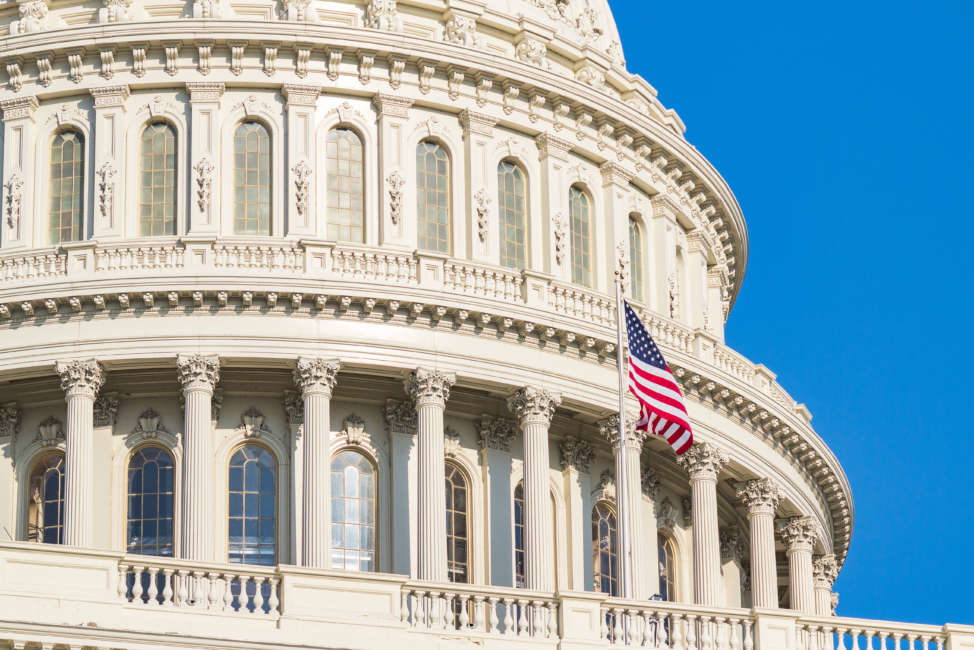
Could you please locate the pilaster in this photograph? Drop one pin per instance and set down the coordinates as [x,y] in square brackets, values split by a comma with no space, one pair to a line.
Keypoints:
[18,194]
[110,166]
[205,204]
[553,226]
[392,111]
[300,161]
[615,238]
[401,424]
[576,460]
[495,452]
[478,131]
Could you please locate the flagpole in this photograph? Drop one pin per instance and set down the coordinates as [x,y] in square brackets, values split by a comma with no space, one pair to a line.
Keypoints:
[620,357]
[627,579]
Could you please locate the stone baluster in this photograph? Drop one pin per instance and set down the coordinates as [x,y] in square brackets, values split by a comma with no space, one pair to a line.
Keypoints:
[533,409]
[761,497]
[198,376]
[824,572]
[799,535]
[703,463]
[430,389]
[628,502]
[80,381]
[316,380]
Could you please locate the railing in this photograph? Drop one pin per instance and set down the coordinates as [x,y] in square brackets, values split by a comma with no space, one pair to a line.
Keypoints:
[661,625]
[856,634]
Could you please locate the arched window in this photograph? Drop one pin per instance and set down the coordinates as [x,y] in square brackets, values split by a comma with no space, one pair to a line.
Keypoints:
[519,561]
[604,549]
[67,186]
[579,205]
[149,519]
[433,197]
[511,209]
[667,567]
[45,505]
[635,259]
[251,179]
[352,512]
[457,538]
[346,192]
[252,511]
[157,180]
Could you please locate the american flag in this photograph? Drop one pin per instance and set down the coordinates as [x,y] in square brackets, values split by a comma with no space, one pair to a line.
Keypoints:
[661,403]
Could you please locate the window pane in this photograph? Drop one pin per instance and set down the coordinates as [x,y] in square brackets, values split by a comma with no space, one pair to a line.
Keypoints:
[157,202]
[150,502]
[456,525]
[604,549]
[352,511]
[581,237]
[635,259]
[252,179]
[511,215]
[433,197]
[66,218]
[252,518]
[346,216]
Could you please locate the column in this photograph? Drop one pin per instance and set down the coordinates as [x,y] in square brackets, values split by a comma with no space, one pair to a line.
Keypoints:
[495,454]
[204,104]
[800,535]
[703,463]
[628,502]
[316,378]
[430,389]
[300,107]
[109,166]
[198,376]
[761,497]
[824,572]
[80,381]
[576,458]
[533,409]
[19,194]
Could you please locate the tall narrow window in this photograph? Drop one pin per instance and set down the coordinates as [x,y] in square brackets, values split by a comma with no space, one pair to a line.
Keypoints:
[433,197]
[251,179]
[579,207]
[346,212]
[352,512]
[519,568]
[149,525]
[667,568]
[67,184]
[511,207]
[45,505]
[252,513]
[635,259]
[604,549]
[157,191]
[457,539]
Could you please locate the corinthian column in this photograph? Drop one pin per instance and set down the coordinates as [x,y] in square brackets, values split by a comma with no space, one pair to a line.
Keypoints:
[628,502]
[761,497]
[533,409]
[80,381]
[703,463]
[430,389]
[824,571]
[799,534]
[198,376]
[316,380]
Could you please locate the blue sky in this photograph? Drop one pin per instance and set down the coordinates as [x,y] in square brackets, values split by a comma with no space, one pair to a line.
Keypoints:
[845,131]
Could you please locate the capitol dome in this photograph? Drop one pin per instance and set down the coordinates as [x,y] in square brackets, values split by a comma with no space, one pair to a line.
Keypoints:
[308,339]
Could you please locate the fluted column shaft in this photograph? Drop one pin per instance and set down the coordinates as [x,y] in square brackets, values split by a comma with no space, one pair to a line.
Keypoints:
[824,572]
[761,498]
[800,534]
[81,381]
[628,504]
[198,375]
[703,463]
[533,409]
[316,379]
[430,389]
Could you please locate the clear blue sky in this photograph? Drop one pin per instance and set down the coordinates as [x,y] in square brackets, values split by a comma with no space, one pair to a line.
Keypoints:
[845,131]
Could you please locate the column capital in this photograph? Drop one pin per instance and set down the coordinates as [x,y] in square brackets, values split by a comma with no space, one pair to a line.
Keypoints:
[609,428]
[81,377]
[204,91]
[387,105]
[651,481]
[314,375]
[300,94]
[798,533]
[532,404]
[10,418]
[109,96]
[760,495]
[198,372]
[703,461]
[429,387]
[477,123]
[576,454]
[825,570]
[553,146]
[496,433]
[18,108]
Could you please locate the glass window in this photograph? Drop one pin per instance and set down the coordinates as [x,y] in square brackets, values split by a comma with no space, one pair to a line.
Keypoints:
[519,572]
[149,525]
[45,506]
[346,210]
[604,549]
[157,180]
[457,537]
[667,567]
[352,512]
[635,259]
[252,179]
[67,184]
[433,197]
[579,208]
[252,511]
[512,208]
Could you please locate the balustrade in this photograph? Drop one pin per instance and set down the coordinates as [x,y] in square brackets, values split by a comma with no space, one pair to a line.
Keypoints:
[660,625]
[825,633]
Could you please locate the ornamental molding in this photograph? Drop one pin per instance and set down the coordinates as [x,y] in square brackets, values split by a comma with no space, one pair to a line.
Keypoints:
[293,407]
[482,206]
[478,123]
[395,183]
[115,11]
[296,11]
[650,480]
[82,378]
[314,375]
[732,544]
[109,96]
[105,410]
[667,517]
[609,430]
[68,115]
[825,570]
[160,106]
[148,425]
[760,496]
[383,15]
[302,186]
[622,267]
[18,108]
[353,426]
[426,386]
[605,488]
[348,114]
[252,424]
[576,454]
[198,372]
[532,404]
[203,171]
[798,533]
[532,51]
[105,189]
[703,461]
[559,226]
[496,433]
[451,442]
[462,30]
[13,203]
[401,417]
[10,419]
[301,94]
[50,432]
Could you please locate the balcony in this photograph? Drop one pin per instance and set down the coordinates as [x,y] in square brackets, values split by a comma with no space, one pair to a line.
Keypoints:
[58,597]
